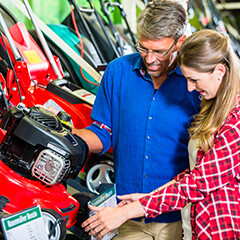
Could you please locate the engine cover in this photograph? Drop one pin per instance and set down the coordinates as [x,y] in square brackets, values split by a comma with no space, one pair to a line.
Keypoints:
[33,130]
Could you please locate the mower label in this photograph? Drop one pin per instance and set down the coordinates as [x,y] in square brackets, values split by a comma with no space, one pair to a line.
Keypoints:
[56,149]
[85,95]
[32,56]
[27,225]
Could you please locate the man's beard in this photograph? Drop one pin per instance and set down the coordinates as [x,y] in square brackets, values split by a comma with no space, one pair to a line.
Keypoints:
[157,73]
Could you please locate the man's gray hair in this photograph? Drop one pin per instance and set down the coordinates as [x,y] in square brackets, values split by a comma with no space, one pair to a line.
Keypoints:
[161,19]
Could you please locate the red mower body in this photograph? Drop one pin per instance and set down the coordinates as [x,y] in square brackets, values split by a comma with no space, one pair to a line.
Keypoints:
[35,74]
[24,193]
[39,67]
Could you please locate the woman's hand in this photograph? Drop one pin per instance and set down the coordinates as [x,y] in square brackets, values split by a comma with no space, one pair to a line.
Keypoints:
[128,198]
[105,220]
[109,218]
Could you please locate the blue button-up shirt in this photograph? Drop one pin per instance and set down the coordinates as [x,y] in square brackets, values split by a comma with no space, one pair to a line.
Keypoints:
[149,128]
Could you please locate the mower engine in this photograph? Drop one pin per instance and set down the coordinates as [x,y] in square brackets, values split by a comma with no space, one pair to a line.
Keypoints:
[35,144]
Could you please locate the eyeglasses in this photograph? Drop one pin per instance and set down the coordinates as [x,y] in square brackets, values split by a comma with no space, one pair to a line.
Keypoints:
[156,53]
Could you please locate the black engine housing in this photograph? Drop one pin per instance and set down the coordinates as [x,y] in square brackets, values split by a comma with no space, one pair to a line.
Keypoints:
[31,130]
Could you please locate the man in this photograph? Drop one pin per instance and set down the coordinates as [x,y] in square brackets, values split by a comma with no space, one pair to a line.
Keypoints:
[143,110]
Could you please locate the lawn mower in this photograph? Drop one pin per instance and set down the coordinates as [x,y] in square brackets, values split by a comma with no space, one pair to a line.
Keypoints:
[28,77]
[88,34]
[93,38]
[97,41]
[92,25]
[31,78]
[37,155]
[109,7]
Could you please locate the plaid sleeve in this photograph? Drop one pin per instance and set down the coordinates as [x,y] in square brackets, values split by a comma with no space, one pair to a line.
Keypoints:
[213,171]
[181,175]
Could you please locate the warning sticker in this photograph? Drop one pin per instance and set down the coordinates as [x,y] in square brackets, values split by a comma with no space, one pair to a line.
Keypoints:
[33,56]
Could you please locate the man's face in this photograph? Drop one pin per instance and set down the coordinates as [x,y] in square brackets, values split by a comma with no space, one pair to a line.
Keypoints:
[158,55]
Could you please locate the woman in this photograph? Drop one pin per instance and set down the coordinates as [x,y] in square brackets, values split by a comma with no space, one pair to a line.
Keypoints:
[212,187]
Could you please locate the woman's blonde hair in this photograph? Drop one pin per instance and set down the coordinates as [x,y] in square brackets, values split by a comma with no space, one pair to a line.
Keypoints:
[202,51]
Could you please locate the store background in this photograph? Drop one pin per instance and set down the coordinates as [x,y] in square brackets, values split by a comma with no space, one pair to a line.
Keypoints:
[55,11]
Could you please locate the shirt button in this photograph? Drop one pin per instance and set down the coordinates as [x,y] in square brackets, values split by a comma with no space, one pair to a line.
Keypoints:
[150,118]
[145,175]
[146,157]
[154,99]
[148,137]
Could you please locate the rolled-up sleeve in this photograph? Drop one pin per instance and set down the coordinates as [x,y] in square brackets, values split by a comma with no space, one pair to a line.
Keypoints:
[102,110]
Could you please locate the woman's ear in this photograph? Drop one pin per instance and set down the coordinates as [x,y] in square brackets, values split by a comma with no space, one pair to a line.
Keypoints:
[180,41]
[220,70]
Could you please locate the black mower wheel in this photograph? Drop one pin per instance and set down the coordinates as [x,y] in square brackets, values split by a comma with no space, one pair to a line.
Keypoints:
[98,174]
[50,217]
[83,198]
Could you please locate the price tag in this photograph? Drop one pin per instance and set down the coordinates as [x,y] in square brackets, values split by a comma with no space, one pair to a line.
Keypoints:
[27,224]
[105,199]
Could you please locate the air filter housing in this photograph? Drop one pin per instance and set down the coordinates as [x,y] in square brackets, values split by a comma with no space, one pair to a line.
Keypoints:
[37,144]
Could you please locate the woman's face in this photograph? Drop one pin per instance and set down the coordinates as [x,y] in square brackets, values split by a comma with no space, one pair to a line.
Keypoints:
[205,83]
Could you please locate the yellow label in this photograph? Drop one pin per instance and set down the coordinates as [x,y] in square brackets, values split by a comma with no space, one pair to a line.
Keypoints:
[33,56]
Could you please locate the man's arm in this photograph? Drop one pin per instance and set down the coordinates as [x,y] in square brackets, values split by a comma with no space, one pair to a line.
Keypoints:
[92,140]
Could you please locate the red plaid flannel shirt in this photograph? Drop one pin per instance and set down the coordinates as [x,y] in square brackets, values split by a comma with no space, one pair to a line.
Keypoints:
[213,187]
